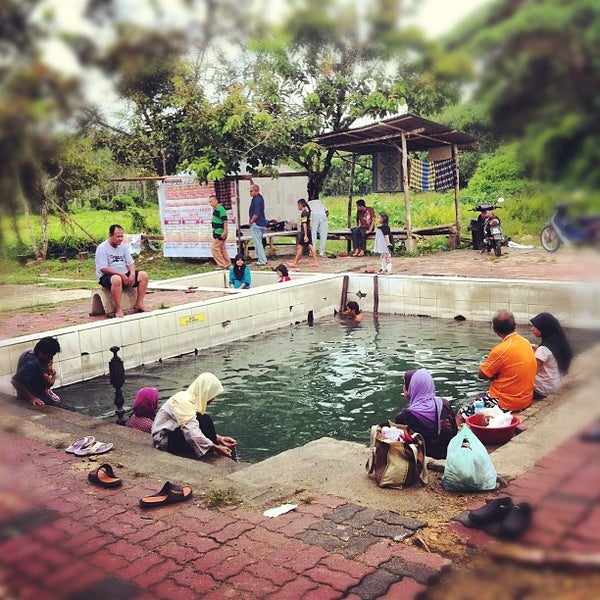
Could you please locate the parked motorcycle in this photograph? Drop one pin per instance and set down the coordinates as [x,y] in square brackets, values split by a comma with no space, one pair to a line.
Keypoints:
[562,230]
[486,229]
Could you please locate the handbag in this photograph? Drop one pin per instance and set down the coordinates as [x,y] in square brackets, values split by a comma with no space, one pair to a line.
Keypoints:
[396,464]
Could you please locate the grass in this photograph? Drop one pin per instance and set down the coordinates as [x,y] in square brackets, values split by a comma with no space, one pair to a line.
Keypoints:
[522,220]
[217,498]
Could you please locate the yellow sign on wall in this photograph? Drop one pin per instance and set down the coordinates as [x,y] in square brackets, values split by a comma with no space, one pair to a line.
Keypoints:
[191,319]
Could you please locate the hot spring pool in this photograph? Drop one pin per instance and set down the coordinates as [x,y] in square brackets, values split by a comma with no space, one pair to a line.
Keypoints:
[286,388]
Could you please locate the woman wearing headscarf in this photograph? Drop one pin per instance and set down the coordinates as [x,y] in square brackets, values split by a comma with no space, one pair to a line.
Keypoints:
[145,406]
[239,274]
[427,414]
[553,355]
[182,426]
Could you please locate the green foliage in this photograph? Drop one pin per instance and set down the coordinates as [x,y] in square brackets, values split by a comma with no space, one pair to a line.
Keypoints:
[138,220]
[119,202]
[539,72]
[501,173]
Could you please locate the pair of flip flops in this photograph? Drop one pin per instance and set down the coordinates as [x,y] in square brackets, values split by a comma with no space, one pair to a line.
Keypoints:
[104,476]
[506,520]
[169,494]
[88,446]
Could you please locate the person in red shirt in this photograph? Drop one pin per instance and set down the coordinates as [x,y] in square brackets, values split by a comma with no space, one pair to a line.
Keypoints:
[365,221]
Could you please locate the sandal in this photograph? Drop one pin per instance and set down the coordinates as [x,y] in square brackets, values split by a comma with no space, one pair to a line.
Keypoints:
[80,443]
[169,494]
[104,476]
[516,522]
[95,448]
[492,511]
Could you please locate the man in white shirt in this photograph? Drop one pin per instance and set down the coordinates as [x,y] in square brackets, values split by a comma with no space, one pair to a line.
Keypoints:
[318,217]
[115,270]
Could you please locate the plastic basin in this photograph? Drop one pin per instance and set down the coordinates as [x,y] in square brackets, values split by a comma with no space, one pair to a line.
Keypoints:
[492,435]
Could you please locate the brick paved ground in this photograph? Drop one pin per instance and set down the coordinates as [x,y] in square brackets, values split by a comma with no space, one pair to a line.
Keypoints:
[64,538]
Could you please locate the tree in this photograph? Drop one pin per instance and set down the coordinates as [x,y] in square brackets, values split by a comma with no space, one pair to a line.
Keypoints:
[540,78]
[34,100]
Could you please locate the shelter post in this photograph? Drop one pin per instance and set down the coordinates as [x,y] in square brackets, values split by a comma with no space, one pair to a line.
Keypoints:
[456,197]
[409,239]
[350,198]
[238,230]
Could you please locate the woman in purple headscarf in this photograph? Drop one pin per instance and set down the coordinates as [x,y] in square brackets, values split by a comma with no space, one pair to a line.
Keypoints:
[144,409]
[427,414]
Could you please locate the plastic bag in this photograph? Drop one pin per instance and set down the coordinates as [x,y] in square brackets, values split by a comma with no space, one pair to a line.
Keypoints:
[469,467]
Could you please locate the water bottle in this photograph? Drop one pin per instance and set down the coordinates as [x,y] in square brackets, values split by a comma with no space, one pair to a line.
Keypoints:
[479,407]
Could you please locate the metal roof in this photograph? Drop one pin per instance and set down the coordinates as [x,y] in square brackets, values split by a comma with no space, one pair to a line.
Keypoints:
[420,133]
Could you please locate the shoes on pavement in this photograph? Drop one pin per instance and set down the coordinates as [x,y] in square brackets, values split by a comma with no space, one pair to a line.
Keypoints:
[104,476]
[494,510]
[169,494]
[516,522]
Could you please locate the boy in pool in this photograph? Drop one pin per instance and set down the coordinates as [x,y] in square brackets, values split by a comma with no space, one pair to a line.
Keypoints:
[352,312]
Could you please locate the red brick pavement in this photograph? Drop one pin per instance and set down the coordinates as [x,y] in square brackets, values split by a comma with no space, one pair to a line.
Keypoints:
[62,538]
[564,490]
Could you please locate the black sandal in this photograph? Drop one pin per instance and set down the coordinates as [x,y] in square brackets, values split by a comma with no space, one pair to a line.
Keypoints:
[169,494]
[494,510]
[104,476]
[516,522]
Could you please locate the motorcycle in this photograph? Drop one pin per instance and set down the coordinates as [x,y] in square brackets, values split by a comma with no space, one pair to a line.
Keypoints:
[562,230]
[486,229]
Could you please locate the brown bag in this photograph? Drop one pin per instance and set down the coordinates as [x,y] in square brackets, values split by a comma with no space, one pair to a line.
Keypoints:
[396,464]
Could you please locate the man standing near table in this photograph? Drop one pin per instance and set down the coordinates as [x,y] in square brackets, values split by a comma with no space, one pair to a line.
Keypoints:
[258,223]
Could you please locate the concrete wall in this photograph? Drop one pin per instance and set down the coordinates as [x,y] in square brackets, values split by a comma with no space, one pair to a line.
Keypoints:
[148,337]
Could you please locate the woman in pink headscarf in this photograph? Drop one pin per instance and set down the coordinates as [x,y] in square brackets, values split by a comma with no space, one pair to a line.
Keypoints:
[144,409]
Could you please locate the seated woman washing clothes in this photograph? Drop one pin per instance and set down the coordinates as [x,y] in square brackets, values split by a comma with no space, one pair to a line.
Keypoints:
[427,414]
[239,274]
[144,410]
[553,355]
[182,426]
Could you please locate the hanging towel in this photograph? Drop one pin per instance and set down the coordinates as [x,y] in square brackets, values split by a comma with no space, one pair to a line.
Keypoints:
[422,175]
[445,175]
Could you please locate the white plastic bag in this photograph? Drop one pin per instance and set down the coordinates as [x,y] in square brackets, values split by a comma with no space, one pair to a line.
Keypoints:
[469,467]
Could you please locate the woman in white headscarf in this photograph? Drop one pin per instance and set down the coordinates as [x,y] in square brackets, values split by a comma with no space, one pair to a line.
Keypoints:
[182,426]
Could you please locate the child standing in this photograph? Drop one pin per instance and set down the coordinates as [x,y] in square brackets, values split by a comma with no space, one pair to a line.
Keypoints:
[383,244]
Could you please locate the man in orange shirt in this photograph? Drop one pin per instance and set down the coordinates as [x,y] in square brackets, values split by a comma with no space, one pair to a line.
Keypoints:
[510,367]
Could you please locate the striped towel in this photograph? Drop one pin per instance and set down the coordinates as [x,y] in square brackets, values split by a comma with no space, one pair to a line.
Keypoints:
[422,175]
[445,175]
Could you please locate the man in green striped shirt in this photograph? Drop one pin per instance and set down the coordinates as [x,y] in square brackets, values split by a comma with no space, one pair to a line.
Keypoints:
[219,233]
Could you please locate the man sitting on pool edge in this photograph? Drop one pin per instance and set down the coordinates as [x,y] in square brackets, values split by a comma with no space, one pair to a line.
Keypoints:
[116,271]
[511,368]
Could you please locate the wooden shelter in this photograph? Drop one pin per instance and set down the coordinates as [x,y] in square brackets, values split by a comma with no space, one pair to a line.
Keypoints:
[402,134]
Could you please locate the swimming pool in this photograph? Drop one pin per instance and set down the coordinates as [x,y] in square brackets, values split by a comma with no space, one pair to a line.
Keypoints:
[288,387]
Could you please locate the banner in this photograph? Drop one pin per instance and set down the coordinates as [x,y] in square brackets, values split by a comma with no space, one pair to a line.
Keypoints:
[186,216]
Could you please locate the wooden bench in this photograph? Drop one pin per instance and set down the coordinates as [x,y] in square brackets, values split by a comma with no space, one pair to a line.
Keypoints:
[401,235]
[103,303]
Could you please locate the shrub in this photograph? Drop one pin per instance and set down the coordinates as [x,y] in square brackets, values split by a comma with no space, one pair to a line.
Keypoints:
[119,202]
